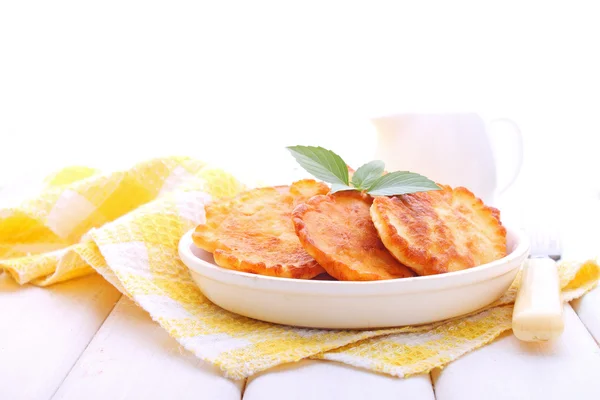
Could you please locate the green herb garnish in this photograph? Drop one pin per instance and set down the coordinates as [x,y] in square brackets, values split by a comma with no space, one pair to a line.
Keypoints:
[370,178]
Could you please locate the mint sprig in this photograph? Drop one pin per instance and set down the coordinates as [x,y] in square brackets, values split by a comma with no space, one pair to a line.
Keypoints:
[370,178]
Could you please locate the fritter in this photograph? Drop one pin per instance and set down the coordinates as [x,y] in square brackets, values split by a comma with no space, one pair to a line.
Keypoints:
[253,232]
[439,231]
[337,231]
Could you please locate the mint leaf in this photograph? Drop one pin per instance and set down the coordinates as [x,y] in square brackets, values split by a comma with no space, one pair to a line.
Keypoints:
[367,174]
[336,187]
[321,163]
[401,182]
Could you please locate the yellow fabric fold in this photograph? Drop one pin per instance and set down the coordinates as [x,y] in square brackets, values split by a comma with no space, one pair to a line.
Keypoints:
[126,225]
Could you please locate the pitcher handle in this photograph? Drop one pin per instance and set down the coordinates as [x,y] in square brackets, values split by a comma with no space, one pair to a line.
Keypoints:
[518,144]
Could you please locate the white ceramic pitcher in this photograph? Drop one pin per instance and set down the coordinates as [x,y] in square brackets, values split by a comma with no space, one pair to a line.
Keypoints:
[452,148]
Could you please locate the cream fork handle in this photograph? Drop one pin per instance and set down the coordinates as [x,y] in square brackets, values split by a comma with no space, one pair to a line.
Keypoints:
[538,311]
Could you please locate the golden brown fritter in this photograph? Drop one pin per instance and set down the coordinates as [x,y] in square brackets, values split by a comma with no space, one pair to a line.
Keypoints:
[253,232]
[439,231]
[338,232]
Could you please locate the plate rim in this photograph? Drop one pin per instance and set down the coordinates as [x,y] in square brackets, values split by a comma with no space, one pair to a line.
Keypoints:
[447,280]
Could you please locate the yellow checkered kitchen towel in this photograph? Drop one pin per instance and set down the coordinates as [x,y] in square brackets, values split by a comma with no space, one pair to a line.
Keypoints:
[126,226]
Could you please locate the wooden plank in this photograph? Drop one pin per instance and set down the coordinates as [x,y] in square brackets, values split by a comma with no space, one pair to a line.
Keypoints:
[43,331]
[309,379]
[132,357]
[509,369]
[588,310]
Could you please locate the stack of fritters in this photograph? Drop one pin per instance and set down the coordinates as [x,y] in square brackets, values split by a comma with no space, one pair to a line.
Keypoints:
[301,231]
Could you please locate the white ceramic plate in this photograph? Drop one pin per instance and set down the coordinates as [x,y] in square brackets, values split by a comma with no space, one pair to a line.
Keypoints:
[354,305]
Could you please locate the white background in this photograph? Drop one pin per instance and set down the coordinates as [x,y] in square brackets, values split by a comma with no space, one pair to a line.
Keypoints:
[109,83]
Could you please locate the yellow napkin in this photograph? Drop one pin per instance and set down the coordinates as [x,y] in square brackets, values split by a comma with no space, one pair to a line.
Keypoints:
[126,226]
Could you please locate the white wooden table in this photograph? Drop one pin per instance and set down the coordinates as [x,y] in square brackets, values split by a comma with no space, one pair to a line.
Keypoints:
[82,340]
